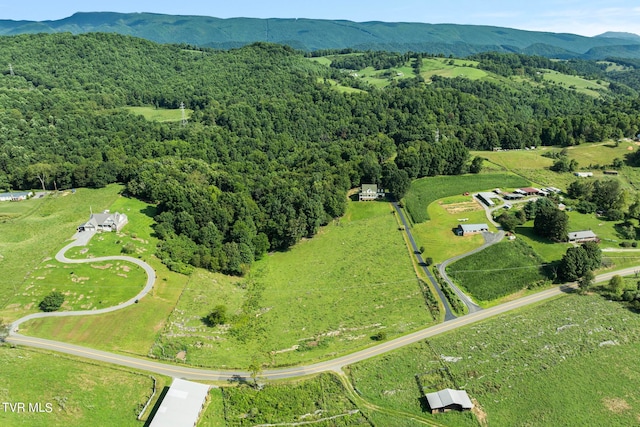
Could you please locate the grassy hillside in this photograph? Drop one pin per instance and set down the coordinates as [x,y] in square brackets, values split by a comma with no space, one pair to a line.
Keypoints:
[522,368]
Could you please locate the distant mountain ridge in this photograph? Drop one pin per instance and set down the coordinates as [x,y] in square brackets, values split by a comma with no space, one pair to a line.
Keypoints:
[317,34]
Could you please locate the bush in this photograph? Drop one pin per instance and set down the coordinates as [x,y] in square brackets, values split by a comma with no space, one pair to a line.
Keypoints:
[52,302]
[615,215]
[128,248]
[380,336]
[428,261]
[218,316]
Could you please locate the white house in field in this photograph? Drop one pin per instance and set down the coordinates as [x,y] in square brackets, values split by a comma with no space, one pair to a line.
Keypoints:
[105,221]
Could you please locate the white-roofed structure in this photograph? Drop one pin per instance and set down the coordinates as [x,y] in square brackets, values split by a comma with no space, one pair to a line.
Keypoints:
[469,229]
[582,236]
[181,405]
[449,400]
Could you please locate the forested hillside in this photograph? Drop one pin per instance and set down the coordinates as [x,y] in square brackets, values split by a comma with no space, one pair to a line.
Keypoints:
[271,147]
[319,34]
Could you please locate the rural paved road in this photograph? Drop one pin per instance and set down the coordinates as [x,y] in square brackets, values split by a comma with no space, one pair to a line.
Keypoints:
[228,375]
[335,365]
[81,239]
[448,314]
[489,239]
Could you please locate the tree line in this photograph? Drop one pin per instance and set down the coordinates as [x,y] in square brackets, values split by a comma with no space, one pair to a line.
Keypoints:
[271,147]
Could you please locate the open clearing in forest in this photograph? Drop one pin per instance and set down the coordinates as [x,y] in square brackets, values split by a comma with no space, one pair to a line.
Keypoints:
[325,296]
[160,114]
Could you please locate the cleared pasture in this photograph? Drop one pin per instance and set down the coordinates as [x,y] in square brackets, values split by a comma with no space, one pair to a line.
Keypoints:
[160,114]
[79,393]
[425,191]
[325,296]
[499,270]
[523,368]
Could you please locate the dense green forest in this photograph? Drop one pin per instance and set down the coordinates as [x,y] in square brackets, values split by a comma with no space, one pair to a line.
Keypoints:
[272,147]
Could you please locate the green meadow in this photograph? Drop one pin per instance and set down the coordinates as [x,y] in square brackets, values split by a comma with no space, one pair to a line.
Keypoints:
[114,331]
[78,393]
[325,296]
[499,270]
[160,114]
[437,235]
[425,191]
[37,230]
[569,361]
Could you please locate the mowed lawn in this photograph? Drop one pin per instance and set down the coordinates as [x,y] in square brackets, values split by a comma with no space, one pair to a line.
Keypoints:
[425,191]
[133,329]
[78,393]
[37,231]
[568,362]
[437,235]
[325,296]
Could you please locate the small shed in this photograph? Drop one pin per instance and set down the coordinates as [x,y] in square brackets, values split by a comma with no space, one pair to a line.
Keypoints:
[469,229]
[449,400]
[583,174]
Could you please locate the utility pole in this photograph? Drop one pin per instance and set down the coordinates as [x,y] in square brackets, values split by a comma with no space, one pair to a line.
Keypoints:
[183,122]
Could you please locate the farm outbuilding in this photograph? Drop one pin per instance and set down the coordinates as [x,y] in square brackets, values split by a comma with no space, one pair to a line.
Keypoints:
[181,405]
[469,229]
[583,174]
[582,236]
[449,400]
[487,198]
[15,196]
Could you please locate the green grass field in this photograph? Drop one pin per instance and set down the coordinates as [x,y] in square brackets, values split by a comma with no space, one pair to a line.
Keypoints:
[569,361]
[79,393]
[39,228]
[160,114]
[113,331]
[85,286]
[325,296]
[588,87]
[319,401]
[499,270]
[425,191]
[437,236]
[443,68]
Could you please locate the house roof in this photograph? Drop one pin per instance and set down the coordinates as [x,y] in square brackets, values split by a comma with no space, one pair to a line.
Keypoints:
[373,188]
[16,194]
[530,190]
[584,234]
[470,228]
[447,397]
[181,405]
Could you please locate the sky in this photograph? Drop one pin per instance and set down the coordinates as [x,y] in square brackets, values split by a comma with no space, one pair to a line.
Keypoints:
[584,17]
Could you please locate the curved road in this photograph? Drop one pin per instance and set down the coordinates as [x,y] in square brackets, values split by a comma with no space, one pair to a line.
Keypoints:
[228,375]
[490,239]
[81,239]
[448,314]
